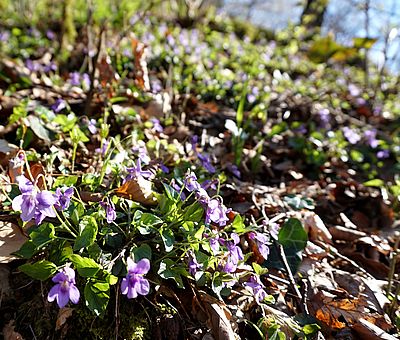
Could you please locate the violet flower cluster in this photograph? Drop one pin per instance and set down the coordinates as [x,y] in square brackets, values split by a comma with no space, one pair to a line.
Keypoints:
[256,287]
[216,211]
[32,203]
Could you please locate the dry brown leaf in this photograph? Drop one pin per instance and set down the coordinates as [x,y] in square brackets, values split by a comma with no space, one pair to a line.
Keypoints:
[142,73]
[38,173]
[219,317]
[11,240]
[138,190]
[316,228]
[367,330]
[340,313]
[106,72]
[63,315]
[9,333]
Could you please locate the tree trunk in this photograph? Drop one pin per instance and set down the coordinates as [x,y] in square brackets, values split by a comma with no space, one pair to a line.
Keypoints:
[313,14]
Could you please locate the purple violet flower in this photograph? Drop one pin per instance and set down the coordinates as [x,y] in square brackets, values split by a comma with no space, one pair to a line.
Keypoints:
[383,154]
[216,212]
[136,171]
[134,283]
[202,196]
[190,181]
[235,254]
[86,80]
[75,78]
[234,170]
[273,229]
[352,136]
[354,90]
[142,153]
[257,288]
[65,288]
[206,162]
[178,189]
[33,203]
[324,117]
[261,241]
[370,136]
[157,127]
[193,265]
[50,35]
[111,215]
[63,197]
[103,148]
[215,242]
[164,168]
[59,105]
[92,126]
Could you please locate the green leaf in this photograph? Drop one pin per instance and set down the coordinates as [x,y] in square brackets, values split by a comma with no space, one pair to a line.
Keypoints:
[65,180]
[366,43]
[199,233]
[97,295]
[42,235]
[27,250]
[258,269]
[311,329]
[323,49]
[193,212]
[86,267]
[171,193]
[77,135]
[41,270]
[297,202]
[66,122]
[148,219]
[168,239]
[19,111]
[238,224]
[293,235]
[240,110]
[88,232]
[168,271]
[142,252]
[375,183]
[38,128]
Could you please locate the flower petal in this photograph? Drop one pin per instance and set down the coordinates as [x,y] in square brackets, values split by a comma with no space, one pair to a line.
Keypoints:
[54,291]
[62,298]
[142,286]
[74,294]
[17,203]
[142,267]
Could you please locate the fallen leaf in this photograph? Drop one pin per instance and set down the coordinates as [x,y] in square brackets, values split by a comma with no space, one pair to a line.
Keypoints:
[11,240]
[9,333]
[138,190]
[63,315]
[219,317]
[338,313]
[316,228]
[367,330]
[142,73]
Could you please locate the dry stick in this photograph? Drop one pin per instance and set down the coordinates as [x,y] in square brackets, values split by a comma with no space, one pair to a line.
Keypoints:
[333,251]
[301,302]
[394,254]
[116,312]
[293,285]
[92,74]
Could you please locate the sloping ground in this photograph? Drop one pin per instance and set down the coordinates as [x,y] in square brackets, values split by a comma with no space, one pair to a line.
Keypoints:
[222,187]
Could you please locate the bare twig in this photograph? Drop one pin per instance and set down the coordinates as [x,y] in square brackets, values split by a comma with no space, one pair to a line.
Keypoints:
[92,74]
